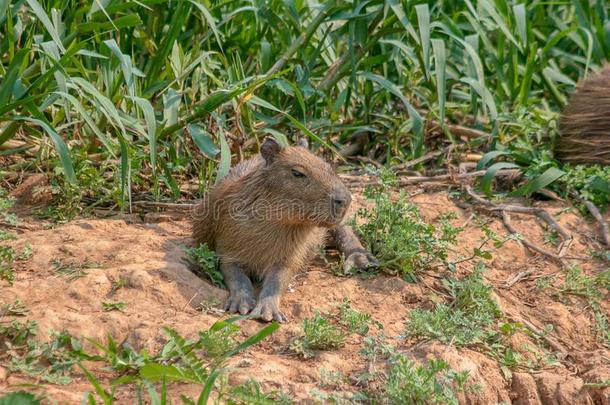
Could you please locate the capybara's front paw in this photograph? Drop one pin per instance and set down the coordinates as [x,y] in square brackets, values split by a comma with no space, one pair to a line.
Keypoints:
[241,302]
[267,310]
[361,260]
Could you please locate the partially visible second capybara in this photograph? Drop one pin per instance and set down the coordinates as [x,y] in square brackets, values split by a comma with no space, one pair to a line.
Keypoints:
[585,122]
[267,217]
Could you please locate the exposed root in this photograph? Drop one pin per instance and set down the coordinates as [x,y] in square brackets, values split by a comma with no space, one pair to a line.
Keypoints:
[451,178]
[165,206]
[605,230]
[422,159]
[539,212]
[530,245]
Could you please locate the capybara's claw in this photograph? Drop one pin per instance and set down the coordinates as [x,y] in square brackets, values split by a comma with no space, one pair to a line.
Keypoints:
[360,260]
[268,311]
[241,303]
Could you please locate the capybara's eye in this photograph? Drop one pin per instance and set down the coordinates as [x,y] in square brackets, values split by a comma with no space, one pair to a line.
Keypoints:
[297,173]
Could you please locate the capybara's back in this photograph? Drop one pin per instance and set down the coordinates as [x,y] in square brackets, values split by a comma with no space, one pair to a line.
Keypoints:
[585,122]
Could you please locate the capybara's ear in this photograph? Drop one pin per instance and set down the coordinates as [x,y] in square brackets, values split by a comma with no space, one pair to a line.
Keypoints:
[270,149]
[303,143]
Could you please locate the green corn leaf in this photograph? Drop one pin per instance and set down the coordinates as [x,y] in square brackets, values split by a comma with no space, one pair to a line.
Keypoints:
[540,182]
[423,22]
[106,397]
[60,147]
[12,73]
[489,156]
[225,157]
[487,179]
[203,141]
[440,59]
[151,124]
[44,19]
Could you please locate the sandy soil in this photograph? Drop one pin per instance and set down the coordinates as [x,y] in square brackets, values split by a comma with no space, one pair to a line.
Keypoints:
[161,291]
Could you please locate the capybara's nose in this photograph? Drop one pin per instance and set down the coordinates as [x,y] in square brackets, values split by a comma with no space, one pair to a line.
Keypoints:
[341,199]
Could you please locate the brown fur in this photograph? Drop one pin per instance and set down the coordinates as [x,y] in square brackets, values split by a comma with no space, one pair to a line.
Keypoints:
[260,242]
[585,122]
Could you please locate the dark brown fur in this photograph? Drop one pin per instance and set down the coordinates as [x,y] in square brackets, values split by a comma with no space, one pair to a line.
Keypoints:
[585,122]
[267,216]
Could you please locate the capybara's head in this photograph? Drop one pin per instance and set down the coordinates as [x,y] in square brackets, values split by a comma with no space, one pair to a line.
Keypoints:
[301,188]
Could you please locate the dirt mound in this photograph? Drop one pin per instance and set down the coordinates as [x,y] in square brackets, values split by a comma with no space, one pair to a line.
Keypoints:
[74,266]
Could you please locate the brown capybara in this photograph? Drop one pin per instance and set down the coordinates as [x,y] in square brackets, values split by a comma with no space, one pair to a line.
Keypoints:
[585,122]
[267,217]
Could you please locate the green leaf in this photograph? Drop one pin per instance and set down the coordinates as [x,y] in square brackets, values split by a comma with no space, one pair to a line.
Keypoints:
[423,22]
[254,339]
[156,371]
[416,120]
[44,19]
[440,59]
[19,398]
[60,147]
[225,157]
[106,397]
[203,141]
[600,184]
[151,124]
[540,182]
[489,175]
[488,157]
[11,75]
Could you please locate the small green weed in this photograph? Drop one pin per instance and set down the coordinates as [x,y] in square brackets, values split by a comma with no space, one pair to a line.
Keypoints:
[434,383]
[17,333]
[7,257]
[251,393]
[354,320]
[319,333]
[467,320]
[17,308]
[72,271]
[593,289]
[409,383]
[396,233]
[19,398]
[114,306]
[26,253]
[329,331]
[216,343]
[116,285]
[207,263]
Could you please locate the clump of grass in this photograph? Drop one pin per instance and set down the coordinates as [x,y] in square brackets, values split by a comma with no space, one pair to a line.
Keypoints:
[328,331]
[19,398]
[251,392]
[406,382]
[354,320]
[397,234]
[17,308]
[71,270]
[114,306]
[7,257]
[433,383]
[319,333]
[207,263]
[216,343]
[200,361]
[593,289]
[466,320]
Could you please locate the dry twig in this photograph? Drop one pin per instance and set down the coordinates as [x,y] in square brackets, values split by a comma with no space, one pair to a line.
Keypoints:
[539,212]
[605,231]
